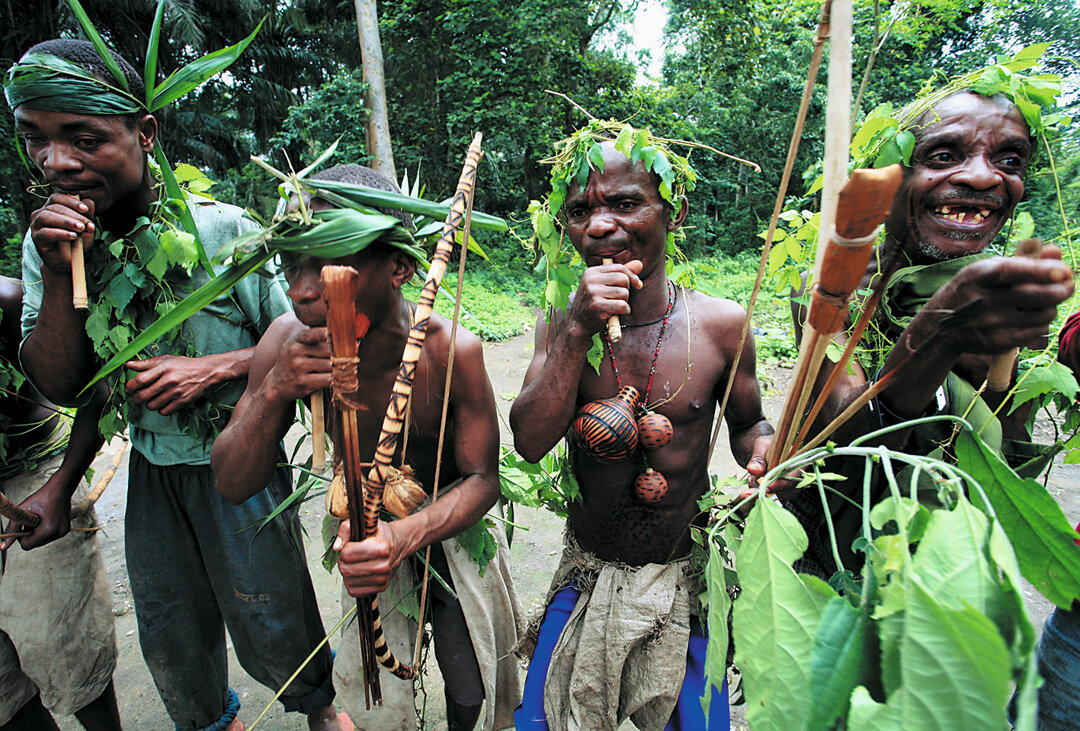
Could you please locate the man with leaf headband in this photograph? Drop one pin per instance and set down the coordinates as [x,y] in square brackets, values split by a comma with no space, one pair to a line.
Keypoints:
[621,635]
[473,603]
[949,310]
[81,114]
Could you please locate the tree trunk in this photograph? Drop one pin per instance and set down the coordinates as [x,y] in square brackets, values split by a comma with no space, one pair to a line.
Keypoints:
[378,128]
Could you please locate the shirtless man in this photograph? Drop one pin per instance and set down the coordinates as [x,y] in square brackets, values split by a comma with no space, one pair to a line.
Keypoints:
[965,179]
[292,361]
[620,215]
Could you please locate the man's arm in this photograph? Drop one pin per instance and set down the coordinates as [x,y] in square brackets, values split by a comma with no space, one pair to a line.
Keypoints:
[53,500]
[988,308]
[367,566]
[168,383]
[56,353]
[547,403]
[290,362]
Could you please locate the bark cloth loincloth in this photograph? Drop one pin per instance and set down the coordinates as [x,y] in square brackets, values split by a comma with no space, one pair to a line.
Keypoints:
[623,651]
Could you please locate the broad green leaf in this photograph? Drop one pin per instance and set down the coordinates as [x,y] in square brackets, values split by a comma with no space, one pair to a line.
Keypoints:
[1039,532]
[1033,51]
[358,194]
[478,542]
[99,43]
[866,714]
[953,666]
[191,304]
[1049,377]
[595,355]
[776,619]
[719,608]
[190,77]
[836,663]
[150,67]
[953,564]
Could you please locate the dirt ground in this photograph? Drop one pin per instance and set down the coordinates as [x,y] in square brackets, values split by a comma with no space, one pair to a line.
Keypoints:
[534,554]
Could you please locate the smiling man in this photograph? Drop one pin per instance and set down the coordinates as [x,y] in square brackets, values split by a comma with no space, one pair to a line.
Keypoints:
[602,650]
[950,308]
[193,572]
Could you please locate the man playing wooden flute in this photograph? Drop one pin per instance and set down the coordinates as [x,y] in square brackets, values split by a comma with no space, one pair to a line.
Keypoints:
[951,308]
[54,594]
[474,632]
[192,570]
[621,635]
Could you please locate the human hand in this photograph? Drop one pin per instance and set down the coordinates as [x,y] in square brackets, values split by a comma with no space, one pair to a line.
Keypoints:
[757,466]
[168,383]
[57,225]
[53,505]
[302,366]
[1010,302]
[604,291]
[367,566]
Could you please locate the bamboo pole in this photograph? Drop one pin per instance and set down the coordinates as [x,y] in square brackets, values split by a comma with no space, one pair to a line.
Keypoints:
[999,376]
[837,137]
[614,327]
[79,298]
[15,514]
[318,432]
[339,290]
[781,194]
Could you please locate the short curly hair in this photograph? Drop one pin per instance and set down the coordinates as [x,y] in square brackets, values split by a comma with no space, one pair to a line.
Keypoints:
[84,53]
[360,175]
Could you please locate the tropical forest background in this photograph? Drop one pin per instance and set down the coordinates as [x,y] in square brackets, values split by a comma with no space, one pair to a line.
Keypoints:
[727,73]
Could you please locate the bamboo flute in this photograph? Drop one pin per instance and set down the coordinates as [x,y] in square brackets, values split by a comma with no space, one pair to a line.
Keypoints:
[837,137]
[614,327]
[999,376]
[79,298]
[318,432]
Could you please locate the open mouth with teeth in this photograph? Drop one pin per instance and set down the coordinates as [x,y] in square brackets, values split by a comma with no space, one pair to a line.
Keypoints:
[973,215]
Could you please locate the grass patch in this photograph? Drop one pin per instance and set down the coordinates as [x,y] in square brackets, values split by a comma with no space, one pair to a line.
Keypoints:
[499,304]
[734,278]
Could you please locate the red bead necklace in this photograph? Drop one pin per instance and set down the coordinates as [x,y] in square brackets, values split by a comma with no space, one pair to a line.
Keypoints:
[672,299]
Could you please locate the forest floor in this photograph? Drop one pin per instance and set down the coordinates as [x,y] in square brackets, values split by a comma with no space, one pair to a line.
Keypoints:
[534,555]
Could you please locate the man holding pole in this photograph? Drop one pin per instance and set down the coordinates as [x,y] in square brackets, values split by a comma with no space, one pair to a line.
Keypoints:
[949,310]
[192,571]
[621,635]
[474,609]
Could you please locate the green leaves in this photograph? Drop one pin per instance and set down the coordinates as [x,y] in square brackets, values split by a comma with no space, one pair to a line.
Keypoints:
[837,661]
[776,619]
[1039,532]
[478,542]
[190,77]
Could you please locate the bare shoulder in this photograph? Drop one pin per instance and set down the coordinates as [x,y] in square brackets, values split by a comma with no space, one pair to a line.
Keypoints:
[281,329]
[717,316]
[437,341]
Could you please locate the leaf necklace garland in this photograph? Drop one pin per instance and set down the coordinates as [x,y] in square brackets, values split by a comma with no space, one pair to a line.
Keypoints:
[138,277]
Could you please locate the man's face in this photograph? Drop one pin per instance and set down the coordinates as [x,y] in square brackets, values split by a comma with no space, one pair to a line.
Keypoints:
[966,177]
[620,214]
[95,157]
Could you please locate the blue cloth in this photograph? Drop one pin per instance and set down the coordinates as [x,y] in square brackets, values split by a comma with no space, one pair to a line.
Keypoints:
[1059,666]
[688,714]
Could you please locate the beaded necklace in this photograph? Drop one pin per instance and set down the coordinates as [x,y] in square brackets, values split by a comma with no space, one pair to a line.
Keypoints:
[672,298]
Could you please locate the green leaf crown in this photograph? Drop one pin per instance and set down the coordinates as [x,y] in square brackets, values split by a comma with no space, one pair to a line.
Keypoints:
[886,137]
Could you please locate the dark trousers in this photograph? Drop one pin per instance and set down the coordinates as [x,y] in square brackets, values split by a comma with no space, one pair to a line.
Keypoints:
[198,565]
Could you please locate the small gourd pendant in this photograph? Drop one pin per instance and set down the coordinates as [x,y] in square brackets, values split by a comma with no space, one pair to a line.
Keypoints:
[654,430]
[606,429]
[650,486]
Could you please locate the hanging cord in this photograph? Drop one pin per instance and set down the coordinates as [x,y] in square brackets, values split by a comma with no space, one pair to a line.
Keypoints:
[789,165]
[445,410]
